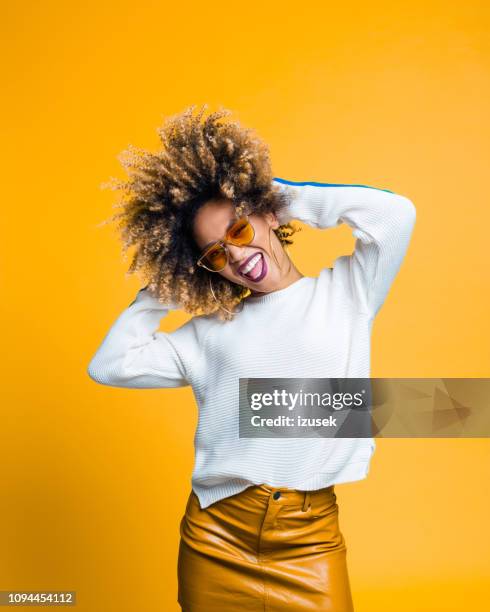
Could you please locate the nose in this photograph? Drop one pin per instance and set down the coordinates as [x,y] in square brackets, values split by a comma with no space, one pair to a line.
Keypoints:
[236,252]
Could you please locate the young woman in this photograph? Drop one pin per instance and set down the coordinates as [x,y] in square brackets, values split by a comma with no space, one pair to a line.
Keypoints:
[211,230]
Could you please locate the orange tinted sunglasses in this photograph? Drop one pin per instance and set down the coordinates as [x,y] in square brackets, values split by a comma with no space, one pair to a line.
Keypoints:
[215,257]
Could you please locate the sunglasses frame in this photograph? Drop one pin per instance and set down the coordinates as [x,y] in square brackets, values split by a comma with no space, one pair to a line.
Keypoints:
[223,242]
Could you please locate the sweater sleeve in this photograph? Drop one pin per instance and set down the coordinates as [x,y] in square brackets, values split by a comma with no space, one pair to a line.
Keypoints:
[134,354]
[382,223]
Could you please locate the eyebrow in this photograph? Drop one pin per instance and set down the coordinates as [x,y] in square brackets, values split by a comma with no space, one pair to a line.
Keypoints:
[230,224]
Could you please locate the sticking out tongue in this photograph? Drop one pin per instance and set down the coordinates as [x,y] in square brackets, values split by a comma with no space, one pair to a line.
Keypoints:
[256,271]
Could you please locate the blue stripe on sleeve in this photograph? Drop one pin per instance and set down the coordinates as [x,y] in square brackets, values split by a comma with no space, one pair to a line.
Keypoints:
[300,183]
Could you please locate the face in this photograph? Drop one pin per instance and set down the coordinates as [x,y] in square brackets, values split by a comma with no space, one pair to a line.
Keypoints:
[211,223]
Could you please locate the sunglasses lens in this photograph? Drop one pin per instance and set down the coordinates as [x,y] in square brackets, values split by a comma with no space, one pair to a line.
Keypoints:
[241,232]
[215,258]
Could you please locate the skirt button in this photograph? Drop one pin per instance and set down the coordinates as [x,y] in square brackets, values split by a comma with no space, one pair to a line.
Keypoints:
[277,495]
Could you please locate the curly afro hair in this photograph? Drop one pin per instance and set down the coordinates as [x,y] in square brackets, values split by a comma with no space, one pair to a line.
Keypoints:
[198,161]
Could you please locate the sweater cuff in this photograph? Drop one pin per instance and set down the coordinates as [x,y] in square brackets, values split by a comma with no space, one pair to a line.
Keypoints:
[285,214]
[145,298]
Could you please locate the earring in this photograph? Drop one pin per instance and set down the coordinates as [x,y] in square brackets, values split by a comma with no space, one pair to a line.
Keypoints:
[271,247]
[274,255]
[217,301]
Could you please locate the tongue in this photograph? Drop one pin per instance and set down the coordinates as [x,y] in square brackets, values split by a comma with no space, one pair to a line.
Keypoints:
[256,271]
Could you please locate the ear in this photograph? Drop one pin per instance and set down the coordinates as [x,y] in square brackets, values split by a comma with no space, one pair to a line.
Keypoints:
[272,220]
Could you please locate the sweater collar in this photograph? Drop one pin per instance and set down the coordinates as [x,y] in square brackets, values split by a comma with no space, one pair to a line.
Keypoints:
[274,296]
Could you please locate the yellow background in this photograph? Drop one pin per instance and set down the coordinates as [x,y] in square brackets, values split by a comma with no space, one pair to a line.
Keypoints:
[393,95]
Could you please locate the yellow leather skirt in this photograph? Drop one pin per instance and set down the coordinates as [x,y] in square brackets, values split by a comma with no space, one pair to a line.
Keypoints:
[266,549]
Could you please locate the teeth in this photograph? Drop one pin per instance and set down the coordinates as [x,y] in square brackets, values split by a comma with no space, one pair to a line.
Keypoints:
[251,264]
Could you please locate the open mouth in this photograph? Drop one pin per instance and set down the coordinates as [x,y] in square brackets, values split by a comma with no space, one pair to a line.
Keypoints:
[255,268]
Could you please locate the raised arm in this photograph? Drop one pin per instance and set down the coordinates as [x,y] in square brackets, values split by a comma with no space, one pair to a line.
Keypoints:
[382,222]
[134,353]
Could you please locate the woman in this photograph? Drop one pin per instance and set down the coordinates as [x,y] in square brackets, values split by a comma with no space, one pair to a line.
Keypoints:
[211,229]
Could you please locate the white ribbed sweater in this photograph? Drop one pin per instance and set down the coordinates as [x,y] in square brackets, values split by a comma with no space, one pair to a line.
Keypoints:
[316,327]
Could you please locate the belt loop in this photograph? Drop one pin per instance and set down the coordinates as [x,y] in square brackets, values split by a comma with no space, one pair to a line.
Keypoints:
[306,502]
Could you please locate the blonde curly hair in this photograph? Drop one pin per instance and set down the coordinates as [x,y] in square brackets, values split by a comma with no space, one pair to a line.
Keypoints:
[198,161]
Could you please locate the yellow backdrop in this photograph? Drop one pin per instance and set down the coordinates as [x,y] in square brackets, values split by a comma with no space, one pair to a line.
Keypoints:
[95,479]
